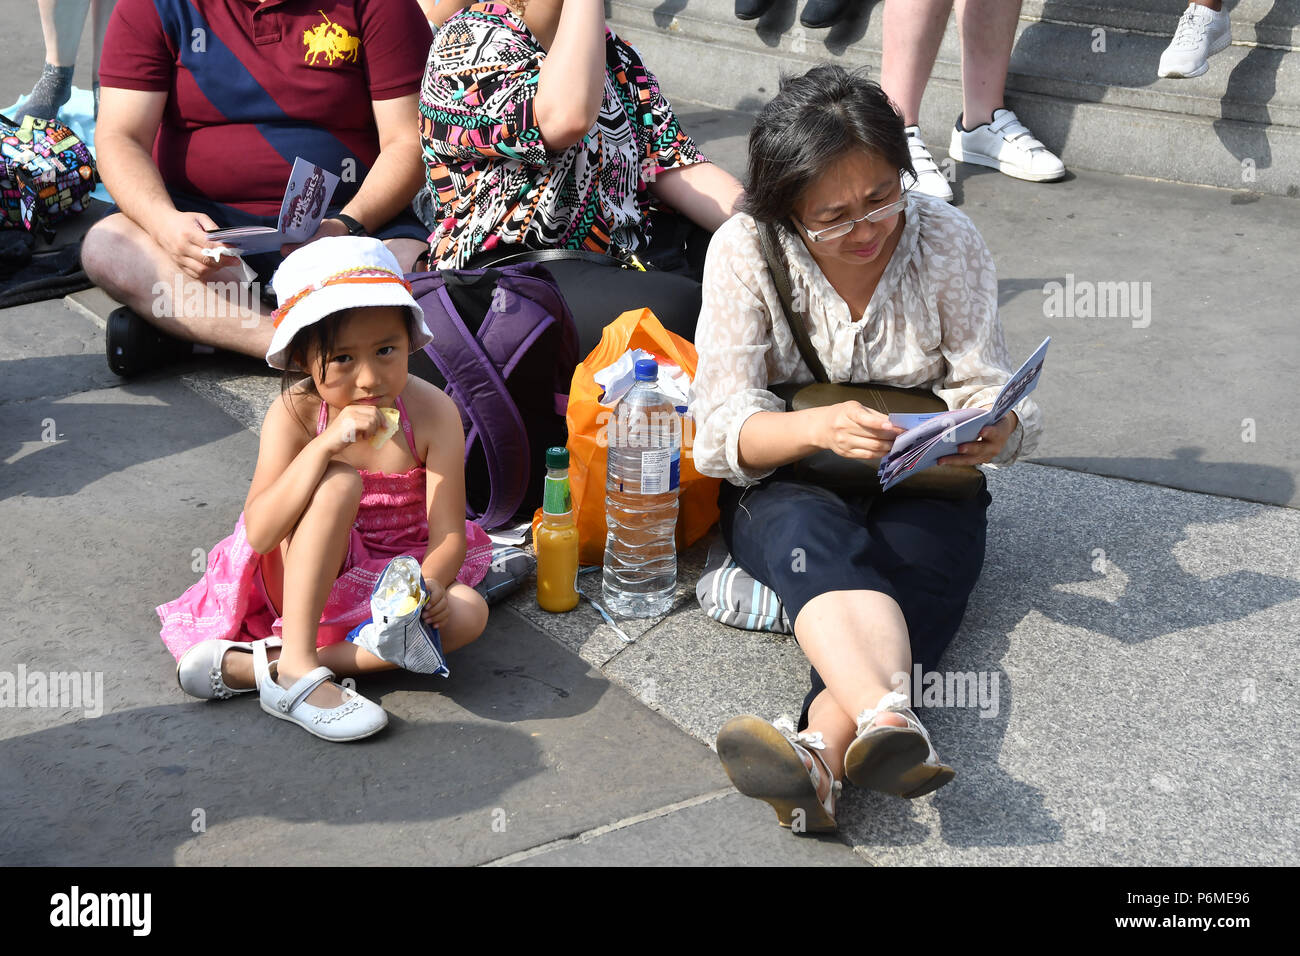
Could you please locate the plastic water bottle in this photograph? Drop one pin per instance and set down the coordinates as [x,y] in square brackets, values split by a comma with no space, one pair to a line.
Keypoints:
[641,487]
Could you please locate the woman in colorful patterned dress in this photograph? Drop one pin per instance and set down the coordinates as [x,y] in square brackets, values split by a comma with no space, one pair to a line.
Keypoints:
[541,129]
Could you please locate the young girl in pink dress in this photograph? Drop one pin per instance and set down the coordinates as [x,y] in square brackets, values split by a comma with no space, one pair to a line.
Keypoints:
[328,510]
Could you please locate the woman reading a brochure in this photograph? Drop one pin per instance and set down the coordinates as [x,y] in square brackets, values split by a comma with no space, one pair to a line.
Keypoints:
[891,289]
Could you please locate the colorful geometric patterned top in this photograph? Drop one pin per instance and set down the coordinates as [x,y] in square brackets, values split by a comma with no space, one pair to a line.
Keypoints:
[492,179]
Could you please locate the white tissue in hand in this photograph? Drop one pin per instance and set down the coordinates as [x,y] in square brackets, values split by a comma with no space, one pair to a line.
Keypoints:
[246,273]
[617,380]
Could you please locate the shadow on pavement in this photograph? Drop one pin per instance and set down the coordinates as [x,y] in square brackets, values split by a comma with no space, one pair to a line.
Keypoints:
[1087,566]
[1248,482]
[123,788]
[92,439]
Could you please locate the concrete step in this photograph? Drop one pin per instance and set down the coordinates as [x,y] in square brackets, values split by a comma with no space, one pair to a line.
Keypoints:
[1249,84]
[1273,23]
[1238,126]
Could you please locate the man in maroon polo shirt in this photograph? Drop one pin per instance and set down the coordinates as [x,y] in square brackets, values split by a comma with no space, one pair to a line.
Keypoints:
[204,106]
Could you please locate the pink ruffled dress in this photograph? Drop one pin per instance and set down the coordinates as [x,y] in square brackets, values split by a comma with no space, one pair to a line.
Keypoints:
[230,602]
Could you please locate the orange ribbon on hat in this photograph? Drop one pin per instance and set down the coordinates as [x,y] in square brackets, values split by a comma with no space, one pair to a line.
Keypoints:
[351,276]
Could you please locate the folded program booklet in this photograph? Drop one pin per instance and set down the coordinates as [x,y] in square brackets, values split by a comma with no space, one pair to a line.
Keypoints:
[305,200]
[931,437]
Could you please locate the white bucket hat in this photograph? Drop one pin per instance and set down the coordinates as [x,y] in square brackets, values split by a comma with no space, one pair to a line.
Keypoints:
[333,274]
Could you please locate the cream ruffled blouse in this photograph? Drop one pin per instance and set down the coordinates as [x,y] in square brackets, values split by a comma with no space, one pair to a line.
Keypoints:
[931,322]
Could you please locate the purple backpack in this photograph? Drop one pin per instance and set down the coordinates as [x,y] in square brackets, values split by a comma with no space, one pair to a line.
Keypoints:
[504,348]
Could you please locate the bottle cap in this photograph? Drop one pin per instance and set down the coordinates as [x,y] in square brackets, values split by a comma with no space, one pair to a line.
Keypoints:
[557,457]
[647,370]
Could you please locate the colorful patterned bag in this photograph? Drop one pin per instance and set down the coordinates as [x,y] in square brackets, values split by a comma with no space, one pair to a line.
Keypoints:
[46,173]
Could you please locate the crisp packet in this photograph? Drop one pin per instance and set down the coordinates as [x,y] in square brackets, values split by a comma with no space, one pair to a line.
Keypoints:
[395,631]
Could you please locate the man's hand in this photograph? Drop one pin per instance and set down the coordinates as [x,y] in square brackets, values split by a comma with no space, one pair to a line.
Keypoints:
[852,430]
[182,236]
[437,610]
[328,227]
[987,446]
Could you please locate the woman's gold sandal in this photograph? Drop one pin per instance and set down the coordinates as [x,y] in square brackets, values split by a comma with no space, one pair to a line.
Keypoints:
[764,761]
[896,760]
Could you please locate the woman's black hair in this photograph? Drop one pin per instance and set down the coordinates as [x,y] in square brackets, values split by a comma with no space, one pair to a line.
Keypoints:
[808,125]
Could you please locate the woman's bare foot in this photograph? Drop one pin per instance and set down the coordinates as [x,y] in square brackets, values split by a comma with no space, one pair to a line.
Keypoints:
[834,753]
[824,783]
[893,755]
[888,719]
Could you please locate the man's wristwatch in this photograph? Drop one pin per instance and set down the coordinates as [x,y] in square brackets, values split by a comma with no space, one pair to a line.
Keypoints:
[353,227]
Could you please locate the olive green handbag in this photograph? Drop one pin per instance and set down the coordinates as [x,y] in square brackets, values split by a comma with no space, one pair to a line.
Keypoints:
[858,475]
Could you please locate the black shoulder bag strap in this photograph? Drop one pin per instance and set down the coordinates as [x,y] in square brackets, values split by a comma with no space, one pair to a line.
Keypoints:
[781,276]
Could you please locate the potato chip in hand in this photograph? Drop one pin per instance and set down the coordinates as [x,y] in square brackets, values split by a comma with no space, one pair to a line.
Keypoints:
[392,421]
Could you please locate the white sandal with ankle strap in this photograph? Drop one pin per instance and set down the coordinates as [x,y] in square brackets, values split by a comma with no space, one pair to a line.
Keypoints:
[897,760]
[765,761]
[199,669]
[353,719]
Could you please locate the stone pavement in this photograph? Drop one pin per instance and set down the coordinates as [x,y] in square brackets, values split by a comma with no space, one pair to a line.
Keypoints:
[1137,615]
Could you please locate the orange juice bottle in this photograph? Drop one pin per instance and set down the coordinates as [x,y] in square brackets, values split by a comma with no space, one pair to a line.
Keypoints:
[557,538]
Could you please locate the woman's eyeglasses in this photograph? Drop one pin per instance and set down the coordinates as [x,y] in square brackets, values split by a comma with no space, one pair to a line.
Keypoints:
[841,229]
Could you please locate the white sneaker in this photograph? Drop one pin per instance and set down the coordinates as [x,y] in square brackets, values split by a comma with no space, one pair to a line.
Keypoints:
[928,179]
[1201,33]
[1008,146]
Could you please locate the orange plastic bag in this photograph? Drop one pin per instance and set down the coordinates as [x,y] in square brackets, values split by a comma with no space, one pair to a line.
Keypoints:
[698,502]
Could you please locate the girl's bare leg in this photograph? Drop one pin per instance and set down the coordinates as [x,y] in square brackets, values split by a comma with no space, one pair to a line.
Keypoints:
[314,554]
[469,614]
[988,32]
[100,10]
[913,32]
[61,23]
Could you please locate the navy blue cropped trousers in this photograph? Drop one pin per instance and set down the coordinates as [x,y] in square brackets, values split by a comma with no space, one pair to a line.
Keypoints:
[802,541]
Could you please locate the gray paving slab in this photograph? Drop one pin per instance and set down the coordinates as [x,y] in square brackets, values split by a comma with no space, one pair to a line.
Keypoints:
[47,351]
[585,632]
[1143,643]
[523,745]
[1143,638]
[242,386]
[1181,375]
[729,830]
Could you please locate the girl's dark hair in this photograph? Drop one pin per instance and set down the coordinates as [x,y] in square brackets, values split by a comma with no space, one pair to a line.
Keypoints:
[319,337]
[811,123]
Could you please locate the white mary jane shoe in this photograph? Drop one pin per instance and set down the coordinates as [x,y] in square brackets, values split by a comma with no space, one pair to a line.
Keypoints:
[355,718]
[897,760]
[199,669]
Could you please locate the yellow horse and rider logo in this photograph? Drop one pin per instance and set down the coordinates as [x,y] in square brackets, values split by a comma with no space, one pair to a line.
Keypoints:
[330,40]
